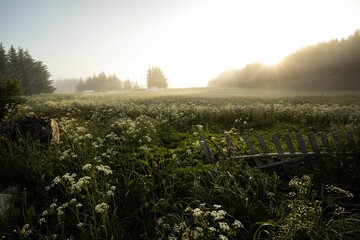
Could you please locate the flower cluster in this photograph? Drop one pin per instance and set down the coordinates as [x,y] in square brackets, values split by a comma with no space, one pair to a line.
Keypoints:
[303,212]
[141,130]
[339,191]
[201,223]
[302,185]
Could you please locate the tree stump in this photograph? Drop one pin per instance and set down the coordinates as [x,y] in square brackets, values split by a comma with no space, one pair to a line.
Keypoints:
[38,129]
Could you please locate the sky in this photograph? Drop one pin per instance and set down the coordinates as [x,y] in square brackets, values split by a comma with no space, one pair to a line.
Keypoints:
[192,41]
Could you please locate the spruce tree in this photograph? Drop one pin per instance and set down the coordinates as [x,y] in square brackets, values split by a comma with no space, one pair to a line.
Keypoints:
[3,61]
[156,78]
[33,75]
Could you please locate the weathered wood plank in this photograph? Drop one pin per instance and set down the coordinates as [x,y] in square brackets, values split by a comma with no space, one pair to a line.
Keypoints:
[277,143]
[279,149]
[289,143]
[208,154]
[285,154]
[282,163]
[262,143]
[229,142]
[301,142]
[252,149]
[230,145]
[325,142]
[249,144]
[313,142]
[336,138]
[291,149]
[351,140]
[264,148]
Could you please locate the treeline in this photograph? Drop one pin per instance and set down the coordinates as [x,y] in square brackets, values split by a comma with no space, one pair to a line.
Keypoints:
[332,65]
[32,75]
[104,83]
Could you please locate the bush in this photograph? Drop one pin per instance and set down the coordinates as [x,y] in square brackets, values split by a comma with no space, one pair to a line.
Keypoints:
[10,95]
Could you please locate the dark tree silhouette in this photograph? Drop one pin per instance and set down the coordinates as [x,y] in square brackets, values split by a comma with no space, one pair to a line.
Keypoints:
[10,94]
[19,65]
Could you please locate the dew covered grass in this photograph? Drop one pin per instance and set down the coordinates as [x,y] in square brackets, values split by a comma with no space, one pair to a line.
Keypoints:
[130,166]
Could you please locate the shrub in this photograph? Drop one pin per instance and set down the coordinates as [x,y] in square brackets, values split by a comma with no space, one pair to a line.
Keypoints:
[10,95]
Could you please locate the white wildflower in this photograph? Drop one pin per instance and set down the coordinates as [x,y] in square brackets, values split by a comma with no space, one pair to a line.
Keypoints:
[101,208]
[237,224]
[212,229]
[41,221]
[224,226]
[197,212]
[200,127]
[222,237]
[105,169]
[87,167]
[172,237]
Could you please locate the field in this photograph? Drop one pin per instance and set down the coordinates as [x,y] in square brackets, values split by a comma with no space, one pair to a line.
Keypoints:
[130,166]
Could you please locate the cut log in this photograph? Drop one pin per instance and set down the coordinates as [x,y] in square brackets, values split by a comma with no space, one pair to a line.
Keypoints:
[39,129]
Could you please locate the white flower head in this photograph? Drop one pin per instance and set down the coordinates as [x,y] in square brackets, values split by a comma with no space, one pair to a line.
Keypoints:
[87,167]
[222,237]
[237,224]
[105,169]
[197,212]
[41,221]
[101,208]
[224,226]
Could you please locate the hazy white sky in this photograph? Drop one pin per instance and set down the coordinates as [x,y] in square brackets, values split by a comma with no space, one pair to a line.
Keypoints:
[192,41]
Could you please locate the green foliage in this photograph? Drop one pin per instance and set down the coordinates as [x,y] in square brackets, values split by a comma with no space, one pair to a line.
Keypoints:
[99,83]
[10,95]
[133,168]
[102,83]
[200,222]
[33,75]
[328,65]
[156,78]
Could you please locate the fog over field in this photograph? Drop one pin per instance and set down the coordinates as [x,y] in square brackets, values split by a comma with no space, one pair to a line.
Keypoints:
[191,41]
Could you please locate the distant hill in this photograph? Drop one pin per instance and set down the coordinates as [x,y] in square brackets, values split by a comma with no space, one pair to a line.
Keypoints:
[332,65]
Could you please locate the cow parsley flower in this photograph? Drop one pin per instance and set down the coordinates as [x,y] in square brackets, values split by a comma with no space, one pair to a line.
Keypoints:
[105,169]
[101,208]
[87,167]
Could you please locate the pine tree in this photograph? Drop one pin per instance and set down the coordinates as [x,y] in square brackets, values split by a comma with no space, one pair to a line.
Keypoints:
[3,61]
[156,78]
[33,75]
[13,66]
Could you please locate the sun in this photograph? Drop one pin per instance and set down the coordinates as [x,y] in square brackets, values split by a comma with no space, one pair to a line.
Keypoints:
[198,46]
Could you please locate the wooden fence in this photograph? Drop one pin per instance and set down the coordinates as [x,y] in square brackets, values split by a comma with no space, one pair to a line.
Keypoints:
[316,145]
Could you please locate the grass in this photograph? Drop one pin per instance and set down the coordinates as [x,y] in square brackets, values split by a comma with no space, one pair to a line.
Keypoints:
[131,167]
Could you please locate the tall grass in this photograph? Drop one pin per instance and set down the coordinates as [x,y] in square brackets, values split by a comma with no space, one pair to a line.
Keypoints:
[133,168]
